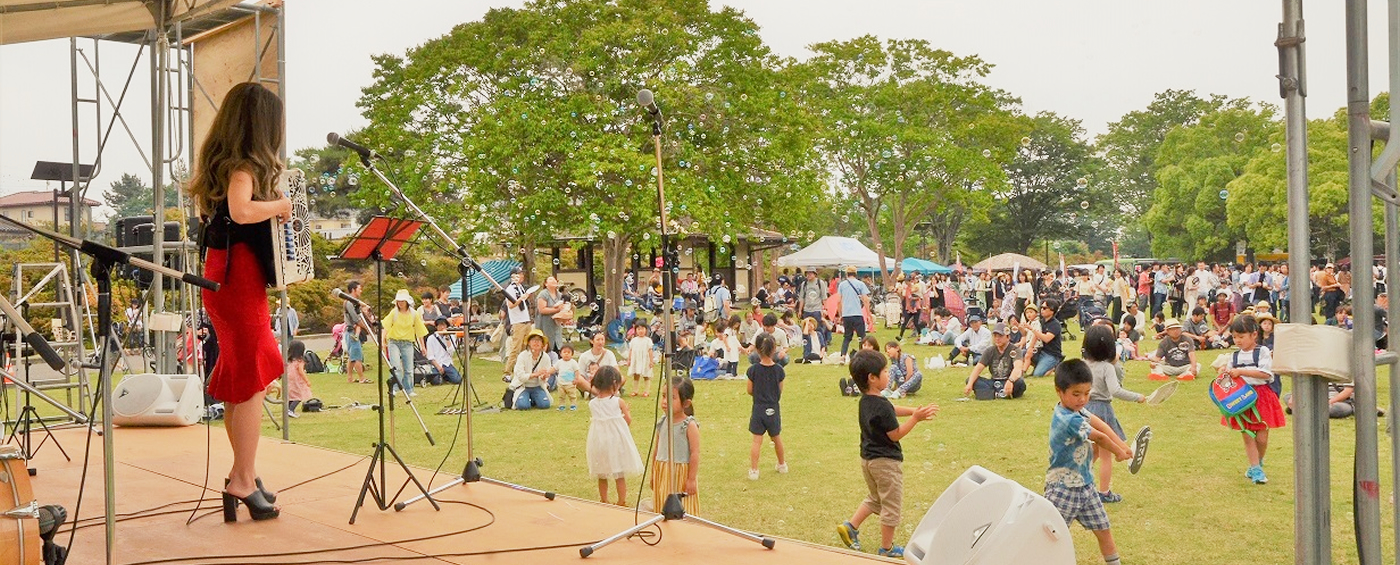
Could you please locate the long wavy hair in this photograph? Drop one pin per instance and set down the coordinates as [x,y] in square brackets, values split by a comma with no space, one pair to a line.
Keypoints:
[246,135]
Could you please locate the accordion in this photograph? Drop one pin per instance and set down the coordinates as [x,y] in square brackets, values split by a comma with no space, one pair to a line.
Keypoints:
[291,241]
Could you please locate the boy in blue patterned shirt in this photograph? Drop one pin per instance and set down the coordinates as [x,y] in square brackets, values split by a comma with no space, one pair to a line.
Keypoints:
[1069,482]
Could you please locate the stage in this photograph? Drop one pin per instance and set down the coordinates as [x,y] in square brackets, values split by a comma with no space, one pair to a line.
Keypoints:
[160,472]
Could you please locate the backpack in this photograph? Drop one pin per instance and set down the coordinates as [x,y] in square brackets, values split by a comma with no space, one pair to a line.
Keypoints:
[313,362]
[711,309]
[1235,399]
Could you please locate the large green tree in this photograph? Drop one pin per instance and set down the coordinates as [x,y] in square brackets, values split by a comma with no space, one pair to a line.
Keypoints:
[905,128]
[1196,165]
[128,196]
[1047,194]
[1129,152]
[524,125]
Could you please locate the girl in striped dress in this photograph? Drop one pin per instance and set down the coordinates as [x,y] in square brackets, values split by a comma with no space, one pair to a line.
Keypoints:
[677,469]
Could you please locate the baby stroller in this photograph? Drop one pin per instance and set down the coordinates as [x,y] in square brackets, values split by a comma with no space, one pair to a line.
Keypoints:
[337,354]
[1068,310]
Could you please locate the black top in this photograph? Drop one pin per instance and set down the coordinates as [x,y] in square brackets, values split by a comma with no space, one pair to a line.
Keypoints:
[877,420]
[221,232]
[766,380]
[1052,347]
[1000,363]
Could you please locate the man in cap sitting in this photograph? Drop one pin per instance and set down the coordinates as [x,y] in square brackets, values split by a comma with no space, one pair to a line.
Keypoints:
[971,343]
[1004,365]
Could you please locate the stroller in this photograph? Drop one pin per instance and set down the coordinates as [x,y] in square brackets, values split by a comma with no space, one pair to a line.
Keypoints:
[337,354]
[1067,311]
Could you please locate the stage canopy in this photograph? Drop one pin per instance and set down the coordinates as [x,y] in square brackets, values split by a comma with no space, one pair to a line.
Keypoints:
[35,20]
[914,265]
[499,269]
[831,252]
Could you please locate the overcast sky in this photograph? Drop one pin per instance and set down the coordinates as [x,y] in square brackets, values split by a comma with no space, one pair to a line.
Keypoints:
[1092,60]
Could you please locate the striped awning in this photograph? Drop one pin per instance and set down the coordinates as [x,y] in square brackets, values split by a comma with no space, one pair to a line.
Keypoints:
[499,269]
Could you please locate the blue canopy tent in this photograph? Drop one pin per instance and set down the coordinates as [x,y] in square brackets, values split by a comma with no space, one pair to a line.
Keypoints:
[499,269]
[913,265]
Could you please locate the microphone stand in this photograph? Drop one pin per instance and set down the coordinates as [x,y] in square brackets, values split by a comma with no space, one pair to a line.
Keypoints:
[466,267]
[27,414]
[104,258]
[673,509]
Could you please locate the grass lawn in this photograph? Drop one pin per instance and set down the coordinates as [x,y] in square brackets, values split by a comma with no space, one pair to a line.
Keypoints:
[1191,489]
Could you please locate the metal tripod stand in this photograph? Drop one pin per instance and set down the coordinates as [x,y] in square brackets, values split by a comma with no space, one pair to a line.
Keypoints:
[673,509]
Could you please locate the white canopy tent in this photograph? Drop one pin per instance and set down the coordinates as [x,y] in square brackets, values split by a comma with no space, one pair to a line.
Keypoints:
[831,252]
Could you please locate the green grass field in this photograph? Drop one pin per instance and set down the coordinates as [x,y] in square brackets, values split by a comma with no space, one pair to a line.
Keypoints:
[1190,503]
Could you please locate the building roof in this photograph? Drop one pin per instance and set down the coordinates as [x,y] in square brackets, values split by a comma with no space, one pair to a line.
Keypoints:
[32,197]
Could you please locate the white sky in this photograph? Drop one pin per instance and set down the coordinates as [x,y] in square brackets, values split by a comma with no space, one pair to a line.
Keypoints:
[1093,60]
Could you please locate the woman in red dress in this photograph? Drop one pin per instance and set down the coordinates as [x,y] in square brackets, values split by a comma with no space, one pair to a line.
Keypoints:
[235,188]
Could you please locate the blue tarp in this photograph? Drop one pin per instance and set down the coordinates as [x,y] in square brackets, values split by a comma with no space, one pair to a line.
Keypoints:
[499,269]
[915,265]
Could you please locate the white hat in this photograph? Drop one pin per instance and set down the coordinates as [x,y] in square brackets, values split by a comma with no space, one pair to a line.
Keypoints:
[403,296]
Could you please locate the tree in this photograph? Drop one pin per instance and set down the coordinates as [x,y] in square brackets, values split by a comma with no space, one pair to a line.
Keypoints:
[1129,150]
[329,181]
[522,125]
[904,127]
[128,196]
[1196,165]
[1047,194]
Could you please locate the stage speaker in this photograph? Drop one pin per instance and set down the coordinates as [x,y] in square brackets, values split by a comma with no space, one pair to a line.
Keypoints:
[149,399]
[986,519]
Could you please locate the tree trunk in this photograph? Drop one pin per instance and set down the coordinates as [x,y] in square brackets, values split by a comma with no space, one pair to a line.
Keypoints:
[614,261]
[872,220]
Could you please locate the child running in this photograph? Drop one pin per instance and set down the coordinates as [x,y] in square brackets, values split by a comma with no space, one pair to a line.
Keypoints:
[880,453]
[612,454]
[1069,483]
[1099,354]
[677,469]
[1254,364]
[766,388]
[639,358]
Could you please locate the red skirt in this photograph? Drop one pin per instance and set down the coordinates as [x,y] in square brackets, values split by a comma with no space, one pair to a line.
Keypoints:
[1269,408]
[249,358]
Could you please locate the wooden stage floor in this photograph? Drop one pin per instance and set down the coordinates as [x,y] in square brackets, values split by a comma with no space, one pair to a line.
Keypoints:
[160,472]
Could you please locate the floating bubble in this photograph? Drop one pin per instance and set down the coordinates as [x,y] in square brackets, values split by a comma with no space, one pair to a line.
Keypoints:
[612,234]
[1026,141]
[646,236]
[726,238]
[556,261]
[928,465]
[1082,182]
[985,153]
[1239,136]
[410,153]
[423,262]
[744,97]
[1224,194]
[354,180]
[1084,204]
[1276,148]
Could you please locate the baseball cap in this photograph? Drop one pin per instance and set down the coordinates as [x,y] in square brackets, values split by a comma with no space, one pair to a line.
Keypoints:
[999,328]
[974,318]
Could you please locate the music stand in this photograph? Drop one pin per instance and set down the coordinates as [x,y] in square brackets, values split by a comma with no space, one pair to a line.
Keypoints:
[379,240]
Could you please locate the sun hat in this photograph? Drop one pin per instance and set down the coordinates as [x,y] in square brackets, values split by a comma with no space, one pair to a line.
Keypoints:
[851,270]
[1266,316]
[540,333]
[1263,304]
[1172,323]
[811,270]
[403,295]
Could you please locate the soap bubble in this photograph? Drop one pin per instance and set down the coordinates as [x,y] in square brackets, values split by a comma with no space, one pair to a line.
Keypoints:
[726,238]
[1026,141]
[423,262]
[410,153]
[1082,182]
[1224,194]
[1084,204]
[1276,148]
[987,153]
[556,261]
[354,179]
[1239,136]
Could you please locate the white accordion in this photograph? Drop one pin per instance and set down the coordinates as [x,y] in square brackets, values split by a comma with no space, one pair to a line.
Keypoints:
[291,241]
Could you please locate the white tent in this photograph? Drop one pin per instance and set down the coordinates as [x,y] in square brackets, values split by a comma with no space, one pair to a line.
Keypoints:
[831,251]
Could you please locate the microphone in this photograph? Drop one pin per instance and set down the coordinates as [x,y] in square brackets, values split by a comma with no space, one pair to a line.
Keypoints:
[648,101]
[364,152]
[50,518]
[346,297]
[35,340]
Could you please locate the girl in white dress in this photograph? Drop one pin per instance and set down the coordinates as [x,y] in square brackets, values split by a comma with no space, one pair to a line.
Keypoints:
[612,454]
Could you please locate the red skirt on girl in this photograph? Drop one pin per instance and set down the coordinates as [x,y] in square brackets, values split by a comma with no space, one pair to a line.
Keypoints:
[1268,406]
[249,358]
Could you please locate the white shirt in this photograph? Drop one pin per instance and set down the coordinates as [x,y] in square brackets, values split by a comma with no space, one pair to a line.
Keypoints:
[441,348]
[518,314]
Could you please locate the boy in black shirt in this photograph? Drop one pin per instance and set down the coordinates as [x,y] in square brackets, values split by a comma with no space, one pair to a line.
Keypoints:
[766,388]
[880,453]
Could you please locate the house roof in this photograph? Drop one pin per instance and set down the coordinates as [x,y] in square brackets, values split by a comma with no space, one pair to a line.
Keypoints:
[32,197]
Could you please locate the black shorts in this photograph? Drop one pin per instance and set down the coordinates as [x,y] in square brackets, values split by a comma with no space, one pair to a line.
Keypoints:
[766,419]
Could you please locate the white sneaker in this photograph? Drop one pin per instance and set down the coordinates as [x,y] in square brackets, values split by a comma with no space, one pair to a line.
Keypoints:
[753,474]
[292,414]
[782,468]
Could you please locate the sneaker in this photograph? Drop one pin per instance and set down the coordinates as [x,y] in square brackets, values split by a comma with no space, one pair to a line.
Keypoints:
[958,364]
[1256,474]
[292,414]
[1110,497]
[573,407]
[894,551]
[1157,377]
[753,474]
[1186,377]
[782,468]
[561,407]
[849,535]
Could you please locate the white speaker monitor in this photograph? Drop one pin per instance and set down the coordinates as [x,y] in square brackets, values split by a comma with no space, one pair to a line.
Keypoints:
[986,519]
[150,399]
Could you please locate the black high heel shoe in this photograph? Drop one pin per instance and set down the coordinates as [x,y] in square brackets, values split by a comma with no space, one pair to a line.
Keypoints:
[266,495]
[258,507]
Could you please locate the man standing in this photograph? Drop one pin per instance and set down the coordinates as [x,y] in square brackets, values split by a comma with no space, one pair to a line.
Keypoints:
[810,298]
[356,330]
[518,315]
[855,298]
[1161,284]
